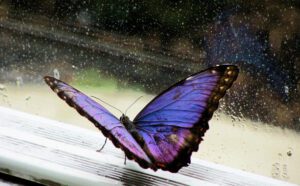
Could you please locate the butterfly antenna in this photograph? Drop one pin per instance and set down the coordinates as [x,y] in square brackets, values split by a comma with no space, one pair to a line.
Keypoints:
[132,104]
[107,104]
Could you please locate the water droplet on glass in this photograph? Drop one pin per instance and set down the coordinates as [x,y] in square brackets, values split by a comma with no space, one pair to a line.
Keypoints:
[286,89]
[56,73]
[19,81]
[2,87]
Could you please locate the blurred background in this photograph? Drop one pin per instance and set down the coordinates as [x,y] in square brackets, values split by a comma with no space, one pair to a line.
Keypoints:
[120,50]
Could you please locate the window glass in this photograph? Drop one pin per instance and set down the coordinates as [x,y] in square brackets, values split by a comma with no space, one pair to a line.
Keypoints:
[118,51]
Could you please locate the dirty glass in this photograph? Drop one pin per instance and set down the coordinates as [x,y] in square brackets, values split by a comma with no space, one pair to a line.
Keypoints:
[121,50]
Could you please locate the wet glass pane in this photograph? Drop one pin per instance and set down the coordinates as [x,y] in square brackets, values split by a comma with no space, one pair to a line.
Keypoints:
[120,50]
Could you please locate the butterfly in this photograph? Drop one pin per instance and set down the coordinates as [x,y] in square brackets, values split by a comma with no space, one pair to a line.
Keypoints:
[169,128]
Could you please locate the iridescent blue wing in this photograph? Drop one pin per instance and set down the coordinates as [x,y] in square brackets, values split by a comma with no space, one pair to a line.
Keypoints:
[110,126]
[173,123]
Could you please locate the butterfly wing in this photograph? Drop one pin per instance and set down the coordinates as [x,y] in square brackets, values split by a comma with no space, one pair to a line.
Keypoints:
[173,123]
[110,126]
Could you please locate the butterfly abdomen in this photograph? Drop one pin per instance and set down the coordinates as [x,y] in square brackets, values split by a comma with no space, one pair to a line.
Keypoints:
[132,129]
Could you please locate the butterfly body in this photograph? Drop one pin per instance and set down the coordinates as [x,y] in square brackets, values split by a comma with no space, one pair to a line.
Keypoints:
[128,124]
[166,132]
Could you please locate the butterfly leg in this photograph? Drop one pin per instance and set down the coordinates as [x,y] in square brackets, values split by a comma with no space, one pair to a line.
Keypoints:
[102,146]
[125,160]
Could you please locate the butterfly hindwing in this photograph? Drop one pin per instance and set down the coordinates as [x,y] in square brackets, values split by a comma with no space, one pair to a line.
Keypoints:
[110,126]
[173,123]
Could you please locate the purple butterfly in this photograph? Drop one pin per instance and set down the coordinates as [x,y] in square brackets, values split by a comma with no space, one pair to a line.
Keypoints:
[166,132]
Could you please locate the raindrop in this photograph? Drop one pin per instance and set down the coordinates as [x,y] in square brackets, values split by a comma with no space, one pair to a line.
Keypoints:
[286,89]
[74,67]
[275,170]
[19,81]
[289,153]
[2,87]
[56,73]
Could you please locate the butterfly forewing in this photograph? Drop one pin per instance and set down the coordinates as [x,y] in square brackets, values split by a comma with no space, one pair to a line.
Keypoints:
[102,118]
[173,123]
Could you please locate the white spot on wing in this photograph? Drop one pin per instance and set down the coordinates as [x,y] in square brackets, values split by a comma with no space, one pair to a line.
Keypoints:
[189,78]
[213,71]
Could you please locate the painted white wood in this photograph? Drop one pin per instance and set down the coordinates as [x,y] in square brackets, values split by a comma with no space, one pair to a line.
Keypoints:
[51,152]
